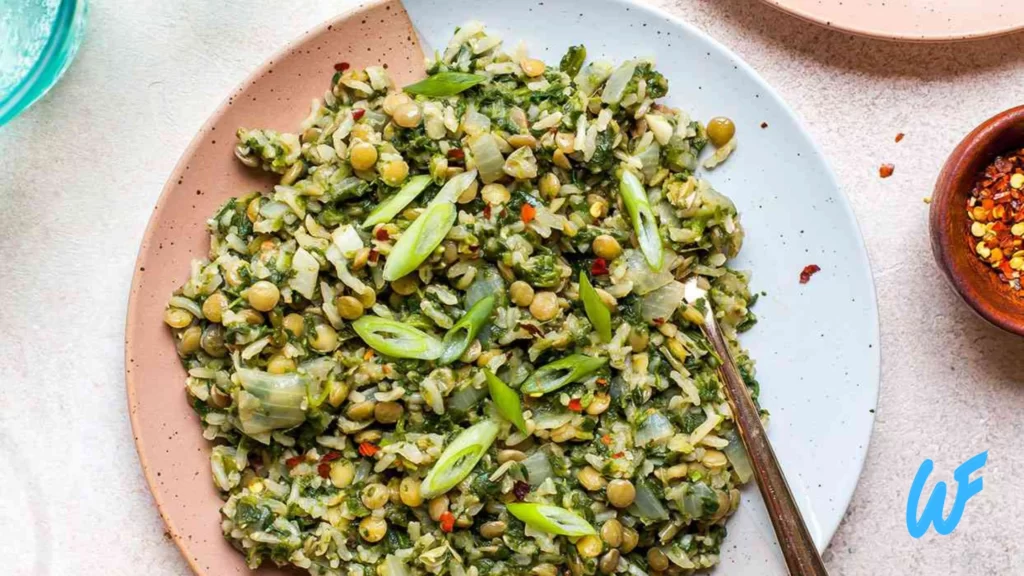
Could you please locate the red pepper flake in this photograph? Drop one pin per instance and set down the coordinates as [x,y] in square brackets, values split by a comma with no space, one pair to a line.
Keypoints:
[373,257]
[357,114]
[764,125]
[367,449]
[658,321]
[324,470]
[886,170]
[456,154]
[899,137]
[527,213]
[382,234]
[520,490]
[606,440]
[808,271]
[331,456]
[575,405]
[599,267]
[487,212]
[602,382]
[342,66]
[447,521]
[294,461]
[618,455]
[532,329]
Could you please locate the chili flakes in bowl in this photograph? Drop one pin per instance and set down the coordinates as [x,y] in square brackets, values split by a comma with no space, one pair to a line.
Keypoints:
[995,207]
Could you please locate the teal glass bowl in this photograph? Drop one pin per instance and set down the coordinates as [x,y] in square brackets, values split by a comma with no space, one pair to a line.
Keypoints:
[38,41]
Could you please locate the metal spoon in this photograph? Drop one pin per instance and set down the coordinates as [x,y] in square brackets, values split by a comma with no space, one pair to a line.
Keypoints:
[798,548]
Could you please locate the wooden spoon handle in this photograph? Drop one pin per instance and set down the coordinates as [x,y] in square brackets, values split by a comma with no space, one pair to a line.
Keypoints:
[798,547]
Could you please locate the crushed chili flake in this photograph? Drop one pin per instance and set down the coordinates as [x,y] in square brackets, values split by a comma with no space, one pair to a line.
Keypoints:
[764,125]
[575,405]
[456,154]
[324,470]
[367,449]
[342,66]
[447,521]
[382,234]
[294,461]
[899,137]
[808,271]
[658,321]
[606,439]
[886,170]
[357,114]
[527,213]
[520,490]
[602,382]
[995,208]
[487,212]
[618,455]
[374,255]
[599,267]
[331,456]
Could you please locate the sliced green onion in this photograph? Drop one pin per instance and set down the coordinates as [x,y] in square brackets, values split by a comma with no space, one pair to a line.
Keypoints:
[454,188]
[459,458]
[559,373]
[598,313]
[392,206]
[551,519]
[445,84]
[644,224]
[419,240]
[573,60]
[506,400]
[465,330]
[397,339]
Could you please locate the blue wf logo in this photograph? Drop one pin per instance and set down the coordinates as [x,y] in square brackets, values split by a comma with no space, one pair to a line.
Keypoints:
[932,514]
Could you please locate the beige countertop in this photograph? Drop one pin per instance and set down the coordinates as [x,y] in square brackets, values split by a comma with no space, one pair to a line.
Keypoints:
[80,172]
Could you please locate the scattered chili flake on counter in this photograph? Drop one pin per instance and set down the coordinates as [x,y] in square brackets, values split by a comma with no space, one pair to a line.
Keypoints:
[886,170]
[995,207]
[808,271]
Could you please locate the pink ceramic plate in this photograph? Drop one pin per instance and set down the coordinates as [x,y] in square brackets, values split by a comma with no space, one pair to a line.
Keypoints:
[914,20]
[174,455]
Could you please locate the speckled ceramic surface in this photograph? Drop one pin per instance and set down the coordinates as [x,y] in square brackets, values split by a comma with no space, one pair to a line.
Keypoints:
[816,345]
[174,455]
[915,20]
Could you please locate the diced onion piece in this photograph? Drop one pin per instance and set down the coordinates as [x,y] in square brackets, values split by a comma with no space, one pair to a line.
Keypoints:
[306,269]
[617,82]
[489,161]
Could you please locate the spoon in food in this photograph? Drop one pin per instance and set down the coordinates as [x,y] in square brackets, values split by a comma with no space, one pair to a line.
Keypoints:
[798,548]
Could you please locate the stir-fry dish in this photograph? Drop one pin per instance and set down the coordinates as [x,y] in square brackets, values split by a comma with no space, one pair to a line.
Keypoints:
[452,339]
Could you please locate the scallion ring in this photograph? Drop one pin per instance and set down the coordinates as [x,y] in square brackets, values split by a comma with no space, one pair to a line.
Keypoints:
[597,312]
[459,458]
[392,206]
[506,401]
[560,373]
[465,330]
[644,224]
[419,240]
[397,339]
[551,519]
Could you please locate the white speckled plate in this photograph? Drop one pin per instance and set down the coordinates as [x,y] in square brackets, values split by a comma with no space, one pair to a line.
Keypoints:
[913,20]
[816,345]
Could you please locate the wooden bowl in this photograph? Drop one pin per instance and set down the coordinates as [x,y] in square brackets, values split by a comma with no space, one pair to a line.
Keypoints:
[952,243]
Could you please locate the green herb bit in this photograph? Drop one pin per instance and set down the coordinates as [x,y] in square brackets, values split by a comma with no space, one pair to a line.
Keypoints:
[551,519]
[444,84]
[397,339]
[459,458]
[644,224]
[560,373]
[573,60]
[506,400]
[465,330]
[392,206]
[598,313]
